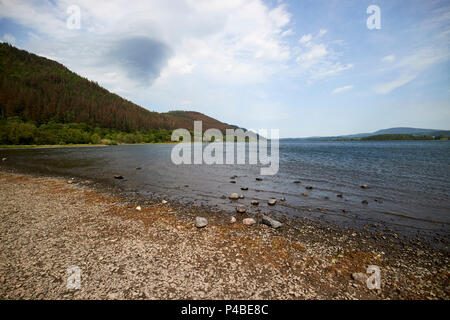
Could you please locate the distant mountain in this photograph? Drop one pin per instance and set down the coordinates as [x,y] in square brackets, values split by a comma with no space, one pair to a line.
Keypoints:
[37,89]
[390,131]
[414,131]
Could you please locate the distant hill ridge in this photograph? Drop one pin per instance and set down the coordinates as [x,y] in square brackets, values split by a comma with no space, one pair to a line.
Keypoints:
[390,131]
[38,89]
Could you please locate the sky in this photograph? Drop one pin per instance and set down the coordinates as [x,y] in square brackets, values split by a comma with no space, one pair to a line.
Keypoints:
[305,67]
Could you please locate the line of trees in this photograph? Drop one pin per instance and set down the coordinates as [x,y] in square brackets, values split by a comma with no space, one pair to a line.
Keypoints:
[14,131]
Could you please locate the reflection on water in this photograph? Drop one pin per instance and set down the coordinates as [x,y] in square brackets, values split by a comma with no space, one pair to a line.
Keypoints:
[409,180]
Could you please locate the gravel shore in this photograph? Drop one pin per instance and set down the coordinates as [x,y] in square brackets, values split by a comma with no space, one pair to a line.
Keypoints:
[48,225]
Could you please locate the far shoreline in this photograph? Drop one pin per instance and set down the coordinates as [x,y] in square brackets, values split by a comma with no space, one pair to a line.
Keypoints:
[52,146]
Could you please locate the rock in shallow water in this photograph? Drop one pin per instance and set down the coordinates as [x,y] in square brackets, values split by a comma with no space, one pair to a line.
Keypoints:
[241,209]
[118,177]
[272,202]
[271,222]
[234,196]
[201,222]
[255,202]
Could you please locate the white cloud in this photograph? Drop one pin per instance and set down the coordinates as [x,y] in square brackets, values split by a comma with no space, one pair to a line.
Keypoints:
[322,32]
[238,41]
[318,58]
[342,89]
[305,38]
[9,38]
[389,58]
[313,55]
[385,88]
[411,66]
[288,32]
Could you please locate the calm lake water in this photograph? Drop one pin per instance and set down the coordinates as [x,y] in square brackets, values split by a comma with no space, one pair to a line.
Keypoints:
[410,180]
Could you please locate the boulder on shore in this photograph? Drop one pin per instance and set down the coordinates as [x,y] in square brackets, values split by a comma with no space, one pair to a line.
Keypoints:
[271,222]
[201,222]
[248,221]
[359,276]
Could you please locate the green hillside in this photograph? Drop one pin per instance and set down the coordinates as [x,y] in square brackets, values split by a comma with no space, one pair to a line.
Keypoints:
[43,102]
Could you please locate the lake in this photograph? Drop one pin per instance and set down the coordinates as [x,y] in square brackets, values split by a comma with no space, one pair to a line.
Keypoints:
[409,180]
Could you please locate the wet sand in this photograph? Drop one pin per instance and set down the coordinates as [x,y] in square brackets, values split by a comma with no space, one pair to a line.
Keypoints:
[48,224]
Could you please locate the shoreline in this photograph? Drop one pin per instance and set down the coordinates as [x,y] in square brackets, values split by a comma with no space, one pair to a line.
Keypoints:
[51,146]
[123,252]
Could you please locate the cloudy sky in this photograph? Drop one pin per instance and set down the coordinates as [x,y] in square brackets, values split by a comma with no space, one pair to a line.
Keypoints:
[306,67]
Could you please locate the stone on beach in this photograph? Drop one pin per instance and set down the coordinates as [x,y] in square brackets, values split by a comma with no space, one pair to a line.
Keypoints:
[201,222]
[249,221]
[271,222]
[232,220]
[234,196]
[272,202]
[4,159]
[359,276]
[241,209]
[138,208]
[164,202]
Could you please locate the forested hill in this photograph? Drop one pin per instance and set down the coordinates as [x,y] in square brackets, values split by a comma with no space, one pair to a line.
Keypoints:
[42,90]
